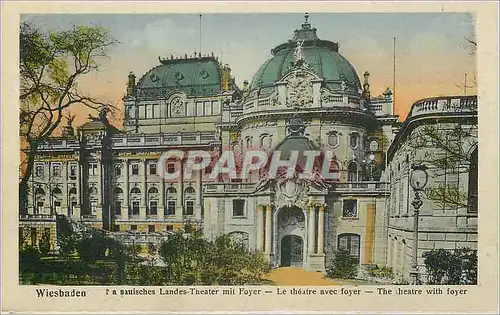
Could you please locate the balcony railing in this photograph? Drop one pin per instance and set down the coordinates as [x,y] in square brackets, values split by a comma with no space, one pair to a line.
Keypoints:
[38,217]
[361,187]
[448,104]
[230,188]
[133,140]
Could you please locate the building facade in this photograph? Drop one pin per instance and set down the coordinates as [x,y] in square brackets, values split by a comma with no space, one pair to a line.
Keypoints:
[306,97]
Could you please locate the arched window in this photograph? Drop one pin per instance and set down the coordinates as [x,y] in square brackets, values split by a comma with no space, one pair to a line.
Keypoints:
[153,190]
[72,191]
[135,190]
[351,243]
[189,191]
[92,190]
[333,171]
[39,192]
[473,189]
[56,191]
[352,172]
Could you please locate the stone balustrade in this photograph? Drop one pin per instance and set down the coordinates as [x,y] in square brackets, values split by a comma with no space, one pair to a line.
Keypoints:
[448,104]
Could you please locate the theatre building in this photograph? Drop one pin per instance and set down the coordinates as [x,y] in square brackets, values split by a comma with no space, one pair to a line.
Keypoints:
[306,97]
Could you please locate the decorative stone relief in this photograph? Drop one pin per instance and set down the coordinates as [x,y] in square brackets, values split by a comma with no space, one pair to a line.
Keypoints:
[260,124]
[177,107]
[300,91]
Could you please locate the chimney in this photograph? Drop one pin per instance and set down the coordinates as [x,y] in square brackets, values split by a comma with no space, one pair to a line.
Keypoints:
[226,78]
[131,84]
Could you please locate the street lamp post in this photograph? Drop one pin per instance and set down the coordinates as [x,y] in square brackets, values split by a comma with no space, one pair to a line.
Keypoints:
[418,180]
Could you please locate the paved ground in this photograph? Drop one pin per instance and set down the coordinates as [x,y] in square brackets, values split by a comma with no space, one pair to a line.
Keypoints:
[298,276]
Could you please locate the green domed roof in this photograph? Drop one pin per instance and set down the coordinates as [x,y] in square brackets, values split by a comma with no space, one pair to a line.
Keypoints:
[200,76]
[321,56]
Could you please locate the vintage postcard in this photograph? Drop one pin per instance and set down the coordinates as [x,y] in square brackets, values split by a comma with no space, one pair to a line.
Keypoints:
[251,157]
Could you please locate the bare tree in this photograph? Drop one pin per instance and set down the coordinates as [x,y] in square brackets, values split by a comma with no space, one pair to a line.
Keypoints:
[447,151]
[50,67]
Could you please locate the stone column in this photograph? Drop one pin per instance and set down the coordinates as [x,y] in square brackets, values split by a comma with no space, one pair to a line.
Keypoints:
[321,229]
[161,197]
[126,190]
[99,183]
[260,227]
[312,228]
[144,192]
[65,196]
[267,248]
[179,209]
[197,205]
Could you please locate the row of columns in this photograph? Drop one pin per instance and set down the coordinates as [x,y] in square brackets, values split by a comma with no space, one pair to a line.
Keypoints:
[161,190]
[264,229]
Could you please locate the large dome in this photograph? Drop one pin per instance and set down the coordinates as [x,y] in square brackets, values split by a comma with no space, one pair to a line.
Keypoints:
[321,56]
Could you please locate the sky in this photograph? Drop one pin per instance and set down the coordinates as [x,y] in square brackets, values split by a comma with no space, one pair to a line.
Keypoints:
[431,54]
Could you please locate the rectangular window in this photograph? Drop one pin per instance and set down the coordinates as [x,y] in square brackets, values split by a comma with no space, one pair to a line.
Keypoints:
[72,170]
[57,206]
[135,169]
[93,206]
[351,243]
[133,227]
[189,209]
[238,208]
[39,170]
[73,206]
[39,207]
[92,169]
[56,170]
[156,111]
[135,207]
[153,207]
[151,228]
[170,210]
[216,108]
[142,111]
[350,208]
[199,109]
[152,169]
[149,111]
[170,227]
[170,168]
[207,108]
[118,170]
[118,207]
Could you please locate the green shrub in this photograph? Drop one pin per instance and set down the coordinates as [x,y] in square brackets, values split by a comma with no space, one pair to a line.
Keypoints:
[342,265]
[44,243]
[380,272]
[67,244]
[451,267]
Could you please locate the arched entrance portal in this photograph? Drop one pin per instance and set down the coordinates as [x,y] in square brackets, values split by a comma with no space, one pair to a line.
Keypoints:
[290,235]
[292,250]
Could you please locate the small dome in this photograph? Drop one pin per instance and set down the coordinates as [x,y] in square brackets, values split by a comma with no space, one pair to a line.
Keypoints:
[321,56]
[295,141]
[194,76]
